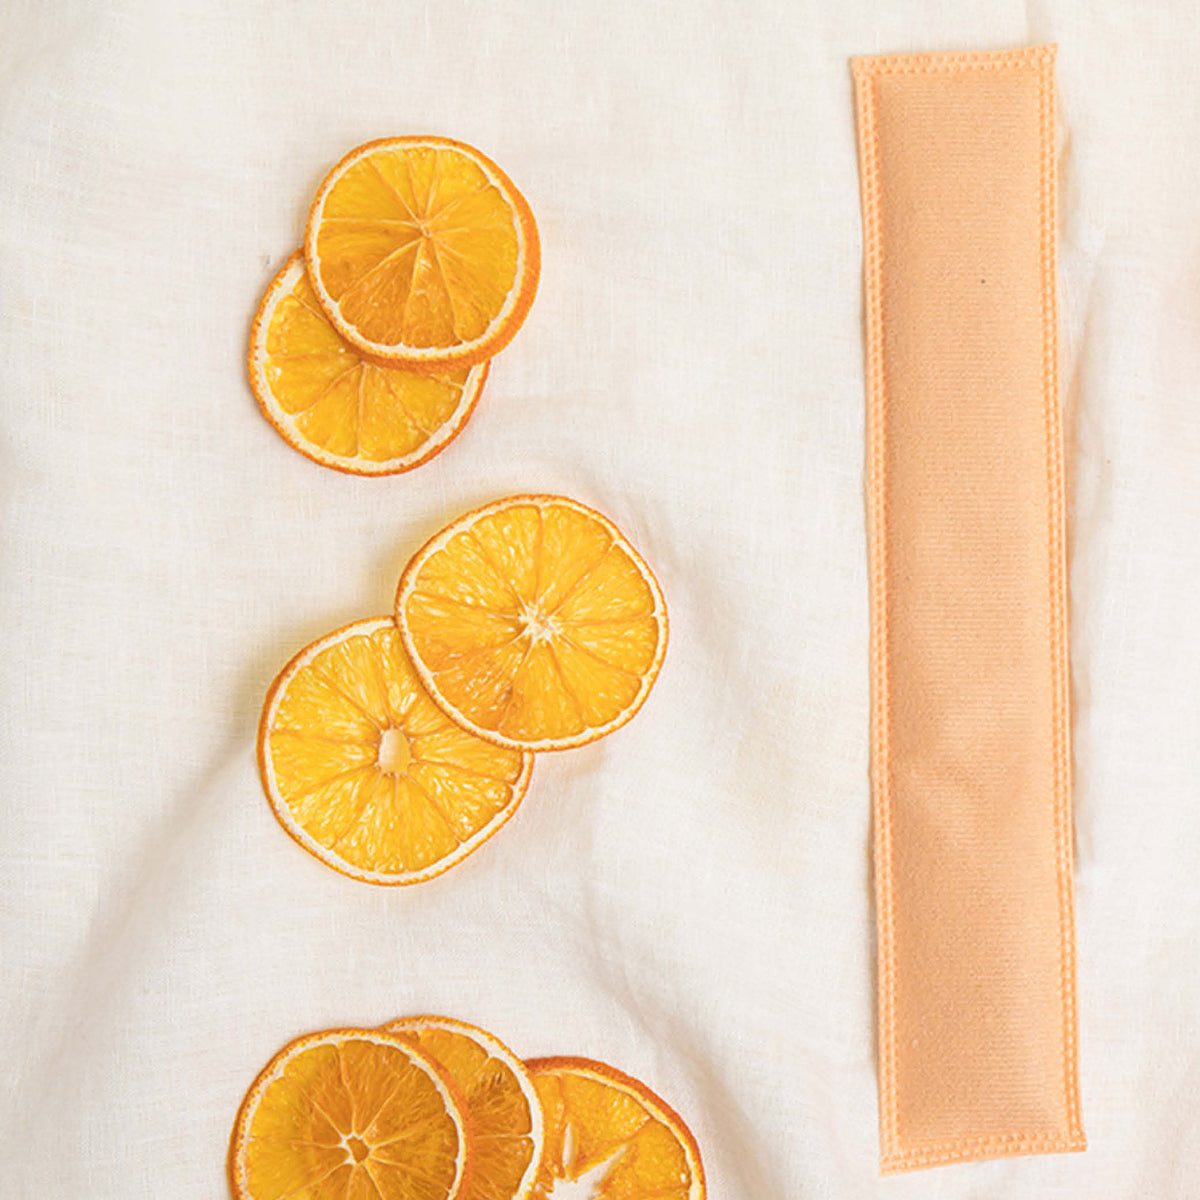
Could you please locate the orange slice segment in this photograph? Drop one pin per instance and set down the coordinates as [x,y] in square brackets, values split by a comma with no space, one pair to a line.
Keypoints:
[534,623]
[338,407]
[499,1098]
[349,1115]
[423,252]
[608,1136]
[367,773]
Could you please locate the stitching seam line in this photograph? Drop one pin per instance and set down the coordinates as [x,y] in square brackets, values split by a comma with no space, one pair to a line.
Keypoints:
[1058,615]
[881,822]
[1007,1148]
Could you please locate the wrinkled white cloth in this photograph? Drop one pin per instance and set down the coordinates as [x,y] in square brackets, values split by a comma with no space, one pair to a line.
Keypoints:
[690,898]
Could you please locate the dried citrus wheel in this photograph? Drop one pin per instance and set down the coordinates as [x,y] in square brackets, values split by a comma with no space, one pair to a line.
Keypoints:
[501,1104]
[422,251]
[367,773]
[612,1134]
[533,622]
[350,1114]
[335,405]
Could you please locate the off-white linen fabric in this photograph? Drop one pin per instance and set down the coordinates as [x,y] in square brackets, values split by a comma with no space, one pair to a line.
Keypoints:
[689,899]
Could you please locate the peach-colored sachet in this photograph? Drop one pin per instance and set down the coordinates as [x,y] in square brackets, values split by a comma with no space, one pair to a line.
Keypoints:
[970,727]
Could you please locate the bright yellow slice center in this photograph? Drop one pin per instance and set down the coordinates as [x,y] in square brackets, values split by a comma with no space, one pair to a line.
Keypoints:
[417,247]
[395,752]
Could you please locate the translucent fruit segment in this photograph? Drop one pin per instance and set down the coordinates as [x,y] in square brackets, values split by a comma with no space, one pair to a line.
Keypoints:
[541,701]
[571,544]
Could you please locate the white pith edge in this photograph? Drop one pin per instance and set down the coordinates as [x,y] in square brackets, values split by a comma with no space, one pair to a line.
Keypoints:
[284,814]
[427,354]
[413,570]
[285,423]
[499,1051]
[419,1059]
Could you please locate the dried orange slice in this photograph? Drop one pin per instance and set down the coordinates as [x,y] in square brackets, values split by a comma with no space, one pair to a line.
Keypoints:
[367,773]
[337,406]
[534,623]
[501,1105]
[423,252]
[346,1115]
[611,1134]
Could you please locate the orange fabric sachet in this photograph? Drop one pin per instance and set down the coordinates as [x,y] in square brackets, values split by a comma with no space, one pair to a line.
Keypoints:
[970,724]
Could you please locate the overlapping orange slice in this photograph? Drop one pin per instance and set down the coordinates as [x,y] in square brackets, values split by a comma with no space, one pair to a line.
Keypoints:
[431,1108]
[367,773]
[339,407]
[502,1106]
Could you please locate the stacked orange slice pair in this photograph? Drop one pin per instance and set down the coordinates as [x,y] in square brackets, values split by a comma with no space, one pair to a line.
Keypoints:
[430,1108]
[371,345]
[395,746]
